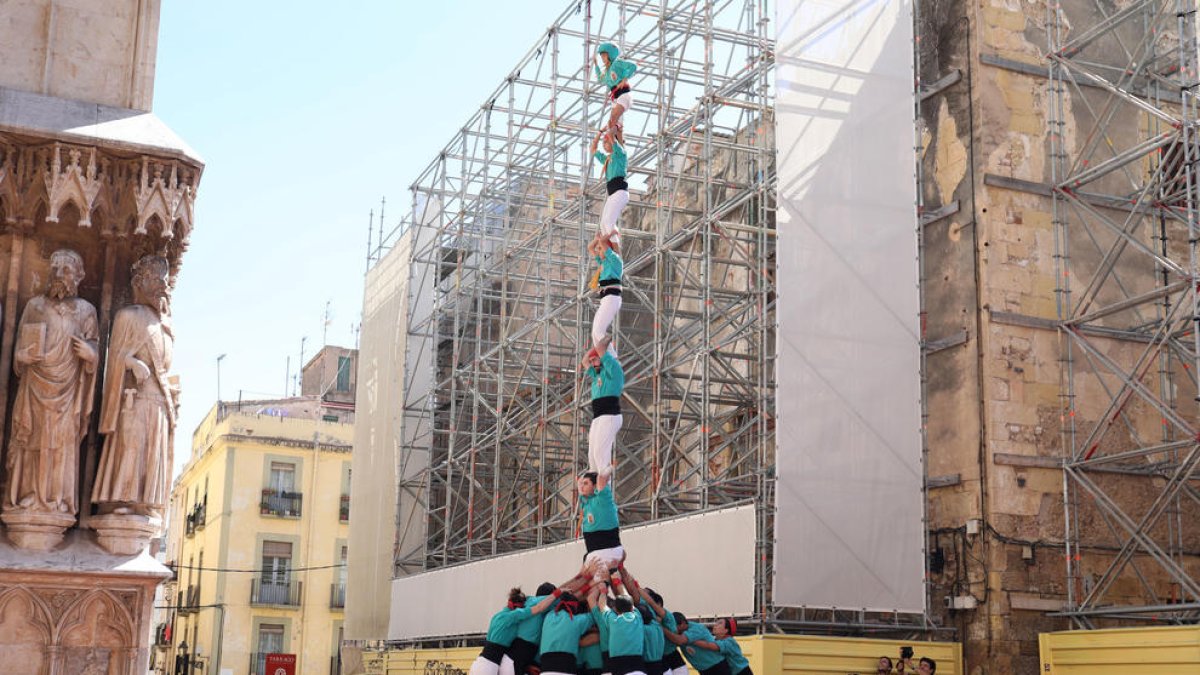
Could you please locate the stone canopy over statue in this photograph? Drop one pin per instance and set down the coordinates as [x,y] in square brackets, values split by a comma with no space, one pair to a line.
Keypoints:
[138,412]
[55,360]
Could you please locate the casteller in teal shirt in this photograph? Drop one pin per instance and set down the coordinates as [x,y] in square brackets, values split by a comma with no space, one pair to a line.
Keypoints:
[625,635]
[530,628]
[611,267]
[701,659]
[599,511]
[561,632]
[615,164]
[502,629]
[609,379]
[617,70]
[732,652]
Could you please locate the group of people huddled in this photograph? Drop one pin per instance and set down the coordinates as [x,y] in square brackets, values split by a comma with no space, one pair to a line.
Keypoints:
[578,628]
[602,621]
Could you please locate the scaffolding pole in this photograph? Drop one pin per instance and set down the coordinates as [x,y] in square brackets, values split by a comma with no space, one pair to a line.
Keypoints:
[1122,116]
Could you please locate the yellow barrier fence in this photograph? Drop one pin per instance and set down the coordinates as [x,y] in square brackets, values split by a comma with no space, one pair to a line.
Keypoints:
[1163,650]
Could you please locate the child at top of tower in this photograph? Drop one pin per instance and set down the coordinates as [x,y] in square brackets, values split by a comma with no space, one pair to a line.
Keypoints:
[614,164]
[615,77]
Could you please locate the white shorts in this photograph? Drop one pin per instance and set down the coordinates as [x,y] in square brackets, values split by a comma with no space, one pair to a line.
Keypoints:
[611,557]
[482,666]
[624,101]
[681,670]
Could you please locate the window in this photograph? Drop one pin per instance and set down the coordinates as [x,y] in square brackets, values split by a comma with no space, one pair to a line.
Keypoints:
[343,374]
[283,477]
[277,562]
[270,638]
[342,569]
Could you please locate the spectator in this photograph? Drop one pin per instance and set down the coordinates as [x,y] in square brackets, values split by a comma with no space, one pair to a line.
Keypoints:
[884,665]
[928,666]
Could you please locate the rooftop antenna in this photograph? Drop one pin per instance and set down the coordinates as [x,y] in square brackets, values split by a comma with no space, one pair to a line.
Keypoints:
[325,324]
[370,231]
[300,370]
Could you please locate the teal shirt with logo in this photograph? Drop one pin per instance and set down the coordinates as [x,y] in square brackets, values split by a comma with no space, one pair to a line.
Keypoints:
[616,71]
[599,511]
[561,632]
[502,629]
[615,163]
[732,652]
[609,380]
[625,634]
[611,265]
[701,659]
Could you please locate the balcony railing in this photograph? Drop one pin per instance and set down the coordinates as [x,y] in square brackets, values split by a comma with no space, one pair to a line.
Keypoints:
[190,525]
[337,595]
[344,510]
[272,591]
[193,598]
[200,514]
[281,503]
[181,605]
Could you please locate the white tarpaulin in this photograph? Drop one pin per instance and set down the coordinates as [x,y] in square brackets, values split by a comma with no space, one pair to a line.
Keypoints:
[849,530]
[703,565]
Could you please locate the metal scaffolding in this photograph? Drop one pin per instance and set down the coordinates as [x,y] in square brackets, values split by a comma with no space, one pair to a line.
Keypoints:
[1122,114]
[500,220]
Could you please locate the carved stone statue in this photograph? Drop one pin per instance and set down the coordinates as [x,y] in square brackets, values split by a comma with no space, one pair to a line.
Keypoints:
[137,414]
[55,359]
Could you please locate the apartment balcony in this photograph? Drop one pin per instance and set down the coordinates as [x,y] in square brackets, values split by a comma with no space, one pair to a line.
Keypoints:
[281,503]
[337,595]
[344,510]
[189,528]
[193,598]
[181,605]
[270,591]
[200,515]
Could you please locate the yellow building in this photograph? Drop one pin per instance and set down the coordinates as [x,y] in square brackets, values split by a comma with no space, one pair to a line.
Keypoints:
[258,532]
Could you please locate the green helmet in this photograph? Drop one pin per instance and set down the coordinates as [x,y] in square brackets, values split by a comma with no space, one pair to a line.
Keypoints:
[610,49]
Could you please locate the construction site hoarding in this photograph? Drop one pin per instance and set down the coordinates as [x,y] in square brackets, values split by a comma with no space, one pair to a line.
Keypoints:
[848,528]
[703,565]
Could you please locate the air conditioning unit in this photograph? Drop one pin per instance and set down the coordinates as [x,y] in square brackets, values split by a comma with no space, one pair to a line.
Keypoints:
[961,602]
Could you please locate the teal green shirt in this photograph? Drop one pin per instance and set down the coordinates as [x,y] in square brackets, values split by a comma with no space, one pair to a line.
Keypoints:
[599,511]
[616,164]
[655,643]
[602,626]
[617,70]
[530,628]
[701,659]
[561,632]
[611,265]
[625,634]
[732,652]
[503,627]
[591,656]
[609,380]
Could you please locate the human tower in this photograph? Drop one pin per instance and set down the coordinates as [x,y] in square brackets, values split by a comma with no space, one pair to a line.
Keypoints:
[602,621]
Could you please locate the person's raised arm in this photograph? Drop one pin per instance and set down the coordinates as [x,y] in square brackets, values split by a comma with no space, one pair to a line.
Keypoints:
[635,589]
[654,606]
[624,69]
[589,640]
[594,595]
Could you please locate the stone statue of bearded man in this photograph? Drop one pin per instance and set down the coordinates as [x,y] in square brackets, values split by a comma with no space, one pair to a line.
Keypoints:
[140,400]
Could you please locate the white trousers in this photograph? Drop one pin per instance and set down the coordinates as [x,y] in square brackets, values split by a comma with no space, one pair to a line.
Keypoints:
[610,306]
[613,206]
[601,437]
[608,557]
[482,666]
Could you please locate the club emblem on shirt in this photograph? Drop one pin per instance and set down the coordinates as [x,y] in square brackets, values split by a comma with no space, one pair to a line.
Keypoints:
[591,519]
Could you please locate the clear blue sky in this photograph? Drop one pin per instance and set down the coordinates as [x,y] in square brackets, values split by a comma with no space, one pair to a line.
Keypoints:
[306,113]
